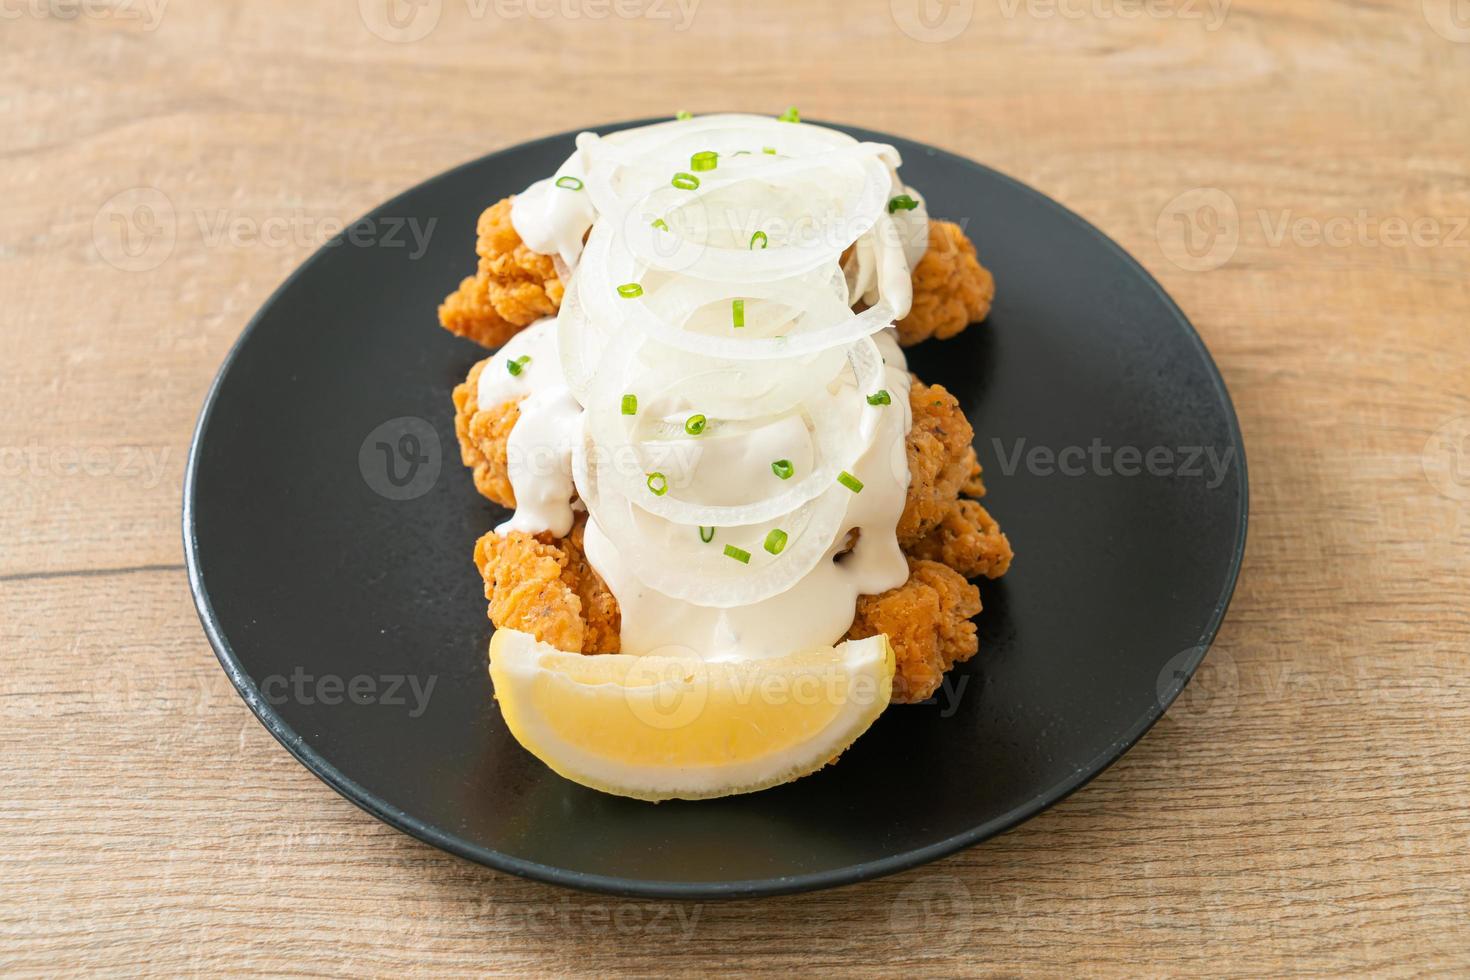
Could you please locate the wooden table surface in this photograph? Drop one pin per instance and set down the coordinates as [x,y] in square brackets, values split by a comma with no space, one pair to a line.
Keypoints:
[1295,173]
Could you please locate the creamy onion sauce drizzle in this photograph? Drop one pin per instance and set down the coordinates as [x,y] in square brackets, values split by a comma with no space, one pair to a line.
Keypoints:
[817,608]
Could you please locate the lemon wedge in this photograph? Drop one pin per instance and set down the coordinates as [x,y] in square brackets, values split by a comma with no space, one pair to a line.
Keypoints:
[659,728]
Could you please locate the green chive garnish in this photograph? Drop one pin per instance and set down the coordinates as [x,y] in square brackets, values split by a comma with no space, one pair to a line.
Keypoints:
[880,397]
[775,541]
[783,468]
[628,290]
[790,115]
[902,203]
[851,482]
[658,484]
[630,404]
[737,311]
[681,115]
[739,554]
[569,182]
[516,366]
[769,149]
[704,160]
[685,182]
[695,424]
[706,534]
[760,237]
[661,224]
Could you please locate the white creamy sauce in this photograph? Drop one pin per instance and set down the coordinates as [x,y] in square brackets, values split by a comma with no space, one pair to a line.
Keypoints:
[729,463]
[539,450]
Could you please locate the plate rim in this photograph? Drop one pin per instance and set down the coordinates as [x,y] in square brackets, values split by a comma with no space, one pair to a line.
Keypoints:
[421,830]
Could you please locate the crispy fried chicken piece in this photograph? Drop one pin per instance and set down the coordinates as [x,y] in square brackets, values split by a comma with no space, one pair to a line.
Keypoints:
[545,586]
[512,287]
[941,460]
[927,620]
[968,540]
[951,288]
[483,436]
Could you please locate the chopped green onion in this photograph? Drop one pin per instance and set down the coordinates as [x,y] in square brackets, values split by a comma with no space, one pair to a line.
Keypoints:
[685,182]
[695,424]
[658,483]
[790,115]
[569,182]
[737,310]
[759,236]
[880,397]
[704,160]
[739,554]
[775,541]
[769,149]
[783,468]
[681,114]
[630,404]
[851,482]
[902,203]
[706,534]
[628,290]
[516,366]
[661,223]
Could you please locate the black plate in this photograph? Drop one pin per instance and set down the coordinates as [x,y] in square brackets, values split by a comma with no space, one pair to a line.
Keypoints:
[306,566]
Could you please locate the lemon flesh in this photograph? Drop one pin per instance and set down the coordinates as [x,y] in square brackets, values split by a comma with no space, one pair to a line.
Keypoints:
[659,728]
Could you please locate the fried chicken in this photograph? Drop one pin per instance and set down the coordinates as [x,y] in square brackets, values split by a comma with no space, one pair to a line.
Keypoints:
[545,586]
[951,288]
[483,436]
[512,287]
[927,620]
[941,460]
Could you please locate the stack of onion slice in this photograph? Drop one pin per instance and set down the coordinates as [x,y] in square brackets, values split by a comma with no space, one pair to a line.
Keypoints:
[709,332]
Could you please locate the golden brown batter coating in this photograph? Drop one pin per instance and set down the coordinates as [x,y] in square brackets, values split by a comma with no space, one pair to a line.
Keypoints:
[941,460]
[483,436]
[544,586]
[927,620]
[968,540]
[951,288]
[512,287]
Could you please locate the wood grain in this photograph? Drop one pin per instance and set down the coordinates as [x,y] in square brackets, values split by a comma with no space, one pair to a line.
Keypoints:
[1304,809]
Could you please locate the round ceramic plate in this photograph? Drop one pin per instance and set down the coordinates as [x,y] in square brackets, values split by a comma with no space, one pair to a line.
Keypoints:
[329,524]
